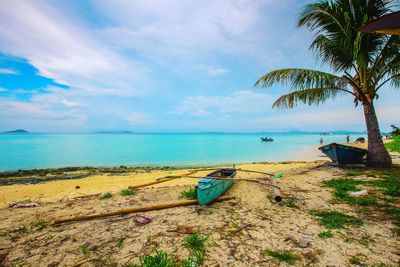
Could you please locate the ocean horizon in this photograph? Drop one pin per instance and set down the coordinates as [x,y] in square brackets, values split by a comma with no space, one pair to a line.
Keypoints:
[104,149]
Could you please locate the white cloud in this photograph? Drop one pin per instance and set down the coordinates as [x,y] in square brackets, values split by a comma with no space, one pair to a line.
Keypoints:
[62,47]
[212,71]
[242,101]
[25,91]
[217,71]
[9,71]
[135,118]
[3,89]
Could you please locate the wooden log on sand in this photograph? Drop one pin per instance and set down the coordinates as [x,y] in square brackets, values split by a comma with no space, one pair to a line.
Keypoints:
[138,209]
[277,191]
[3,256]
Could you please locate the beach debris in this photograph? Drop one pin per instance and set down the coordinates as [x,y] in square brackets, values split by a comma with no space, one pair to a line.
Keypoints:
[77,187]
[142,220]
[277,191]
[25,205]
[137,209]
[18,229]
[234,230]
[305,239]
[361,193]
[278,175]
[3,256]
[297,198]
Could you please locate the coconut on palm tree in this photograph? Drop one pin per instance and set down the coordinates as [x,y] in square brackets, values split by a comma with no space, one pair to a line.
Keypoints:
[362,63]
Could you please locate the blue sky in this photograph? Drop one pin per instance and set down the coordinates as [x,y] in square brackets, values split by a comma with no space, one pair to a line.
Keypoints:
[159,66]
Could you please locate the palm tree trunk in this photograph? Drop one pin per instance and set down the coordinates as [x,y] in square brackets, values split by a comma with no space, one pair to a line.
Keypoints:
[378,156]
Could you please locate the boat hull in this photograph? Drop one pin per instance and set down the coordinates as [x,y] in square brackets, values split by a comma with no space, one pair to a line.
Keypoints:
[209,189]
[342,154]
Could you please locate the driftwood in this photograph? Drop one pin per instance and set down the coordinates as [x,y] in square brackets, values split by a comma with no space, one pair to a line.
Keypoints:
[277,191]
[160,180]
[3,256]
[164,179]
[137,209]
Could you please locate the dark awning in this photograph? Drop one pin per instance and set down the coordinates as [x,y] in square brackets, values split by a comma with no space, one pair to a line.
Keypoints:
[389,24]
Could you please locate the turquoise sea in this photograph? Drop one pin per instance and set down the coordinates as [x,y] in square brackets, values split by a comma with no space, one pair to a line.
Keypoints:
[30,151]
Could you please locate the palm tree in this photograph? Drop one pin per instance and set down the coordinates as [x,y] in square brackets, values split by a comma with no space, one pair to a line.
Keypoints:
[365,61]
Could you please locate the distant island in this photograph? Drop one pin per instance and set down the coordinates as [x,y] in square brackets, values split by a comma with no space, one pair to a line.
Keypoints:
[114,132]
[17,131]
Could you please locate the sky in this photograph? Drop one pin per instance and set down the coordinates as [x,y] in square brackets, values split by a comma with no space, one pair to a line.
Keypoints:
[160,66]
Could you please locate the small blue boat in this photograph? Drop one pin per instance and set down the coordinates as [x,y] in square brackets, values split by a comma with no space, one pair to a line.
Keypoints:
[266,139]
[342,154]
[209,189]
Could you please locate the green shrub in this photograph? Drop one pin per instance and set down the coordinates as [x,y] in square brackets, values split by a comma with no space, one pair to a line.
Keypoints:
[105,195]
[128,192]
[326,234]
[189,194]
[160,259]
[285,256]
[336,220]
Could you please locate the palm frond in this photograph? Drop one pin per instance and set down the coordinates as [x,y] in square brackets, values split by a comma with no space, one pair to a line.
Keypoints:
[299,79]
[335,25]
[310,96]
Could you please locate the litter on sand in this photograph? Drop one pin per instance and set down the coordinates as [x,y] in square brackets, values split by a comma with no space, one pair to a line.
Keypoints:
[142,220]
[25,205]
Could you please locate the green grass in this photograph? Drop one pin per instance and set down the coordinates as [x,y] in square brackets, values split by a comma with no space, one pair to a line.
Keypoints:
[352,173]
[189,194]
[120,242]
[197,259]
[105,195]
[389,183]
[342,187]
[190,262]
[365,240]
[394,145]
[356,261]
[325,234]
[290,203]
[395,213]
[336,220]
[160,259]
[39,225]
[285,256]
[196,242]
[128,192]
[85,250]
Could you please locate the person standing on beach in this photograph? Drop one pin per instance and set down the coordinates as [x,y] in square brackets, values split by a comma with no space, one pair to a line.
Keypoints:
[348,138]
[321,141]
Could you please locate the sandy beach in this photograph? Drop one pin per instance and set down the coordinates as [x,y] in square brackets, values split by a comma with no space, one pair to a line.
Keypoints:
[239,231]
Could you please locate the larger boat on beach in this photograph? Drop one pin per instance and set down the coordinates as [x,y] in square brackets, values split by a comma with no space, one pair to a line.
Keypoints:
[342,154]
[214,185]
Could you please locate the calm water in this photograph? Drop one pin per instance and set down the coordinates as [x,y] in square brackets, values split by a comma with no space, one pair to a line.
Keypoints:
[29,151]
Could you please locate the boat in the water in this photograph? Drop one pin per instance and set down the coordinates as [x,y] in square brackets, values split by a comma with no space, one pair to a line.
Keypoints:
[342,154]
[266,139]
[210,187]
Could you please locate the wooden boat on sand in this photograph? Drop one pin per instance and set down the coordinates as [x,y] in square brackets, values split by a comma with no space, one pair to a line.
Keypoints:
[342,154]
[210,188]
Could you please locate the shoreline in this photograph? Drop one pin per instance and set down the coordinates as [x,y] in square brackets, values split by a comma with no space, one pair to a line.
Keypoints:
[106,181]
[308,154]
